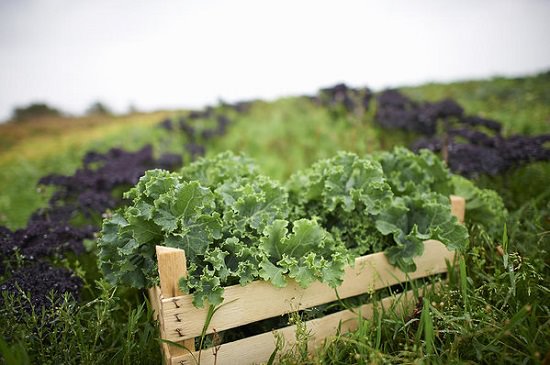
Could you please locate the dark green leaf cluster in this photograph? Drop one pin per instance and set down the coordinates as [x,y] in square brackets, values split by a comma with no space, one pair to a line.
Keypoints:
[392,202]
[232,223]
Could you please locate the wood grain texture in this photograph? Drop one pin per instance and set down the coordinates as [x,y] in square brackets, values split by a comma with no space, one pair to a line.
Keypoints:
[258,349]
[260,300]
[172,266]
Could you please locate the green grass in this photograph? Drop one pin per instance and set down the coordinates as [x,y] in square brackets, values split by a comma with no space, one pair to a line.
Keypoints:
[106,330]
[493,310]
[488,313]
[59,148]
[290,134]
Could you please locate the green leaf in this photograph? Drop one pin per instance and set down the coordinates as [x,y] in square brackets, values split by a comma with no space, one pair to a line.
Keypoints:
[394,219]
[273,240]
[333,271]
[183,202]
[151,185]
[483,206]
[413,219]
[130,247]
[142,230]
[199,234]
[208,289]
[216,258]
[306,237]
[253,204]
[402,254]
[345,182]
[246,272]
[158,182]
[302,254]
[216,170]
[304,271]
[409,173]
[275,274]
[190,199]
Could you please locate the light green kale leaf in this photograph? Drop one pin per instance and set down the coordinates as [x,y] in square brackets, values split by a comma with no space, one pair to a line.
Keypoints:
[414,219]
[483,206]
[213,172]
[252,204]
[122,257]
[152,185]
[207,287]
[178,214]
[306,254]
[409,173]
[344,183]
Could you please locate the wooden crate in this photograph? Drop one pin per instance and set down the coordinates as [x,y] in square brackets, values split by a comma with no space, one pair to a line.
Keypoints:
[181,322]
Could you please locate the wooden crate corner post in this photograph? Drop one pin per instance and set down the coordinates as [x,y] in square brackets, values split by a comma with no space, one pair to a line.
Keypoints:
[172,266]
[458,207]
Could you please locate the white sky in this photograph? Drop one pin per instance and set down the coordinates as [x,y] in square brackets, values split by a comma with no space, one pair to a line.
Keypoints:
[189,53]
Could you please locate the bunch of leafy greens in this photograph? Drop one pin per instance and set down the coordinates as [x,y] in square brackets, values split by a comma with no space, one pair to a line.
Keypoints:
[409,173]
[391,202]
[237,225]
[344,194]
[232,223]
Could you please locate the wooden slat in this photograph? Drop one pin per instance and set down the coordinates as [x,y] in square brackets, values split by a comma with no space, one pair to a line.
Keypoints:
[458,207]
[154,299]
[260,300]
[172,266]
[257,349]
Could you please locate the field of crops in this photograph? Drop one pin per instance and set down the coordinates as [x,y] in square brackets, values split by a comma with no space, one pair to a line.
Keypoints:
[286,190]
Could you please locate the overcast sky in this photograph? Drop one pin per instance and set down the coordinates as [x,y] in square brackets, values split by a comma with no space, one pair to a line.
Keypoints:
[189,53]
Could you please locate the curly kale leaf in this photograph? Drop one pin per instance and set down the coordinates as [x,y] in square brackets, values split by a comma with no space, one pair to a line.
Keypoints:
[345,193]
[230,263]
[177,214]
[151,186]
[252,204]
[226,166]
[358,232]
[409,173]
[207,287]
[306,254]
[121,256]
[483,206]
[413,219]
[344,183]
